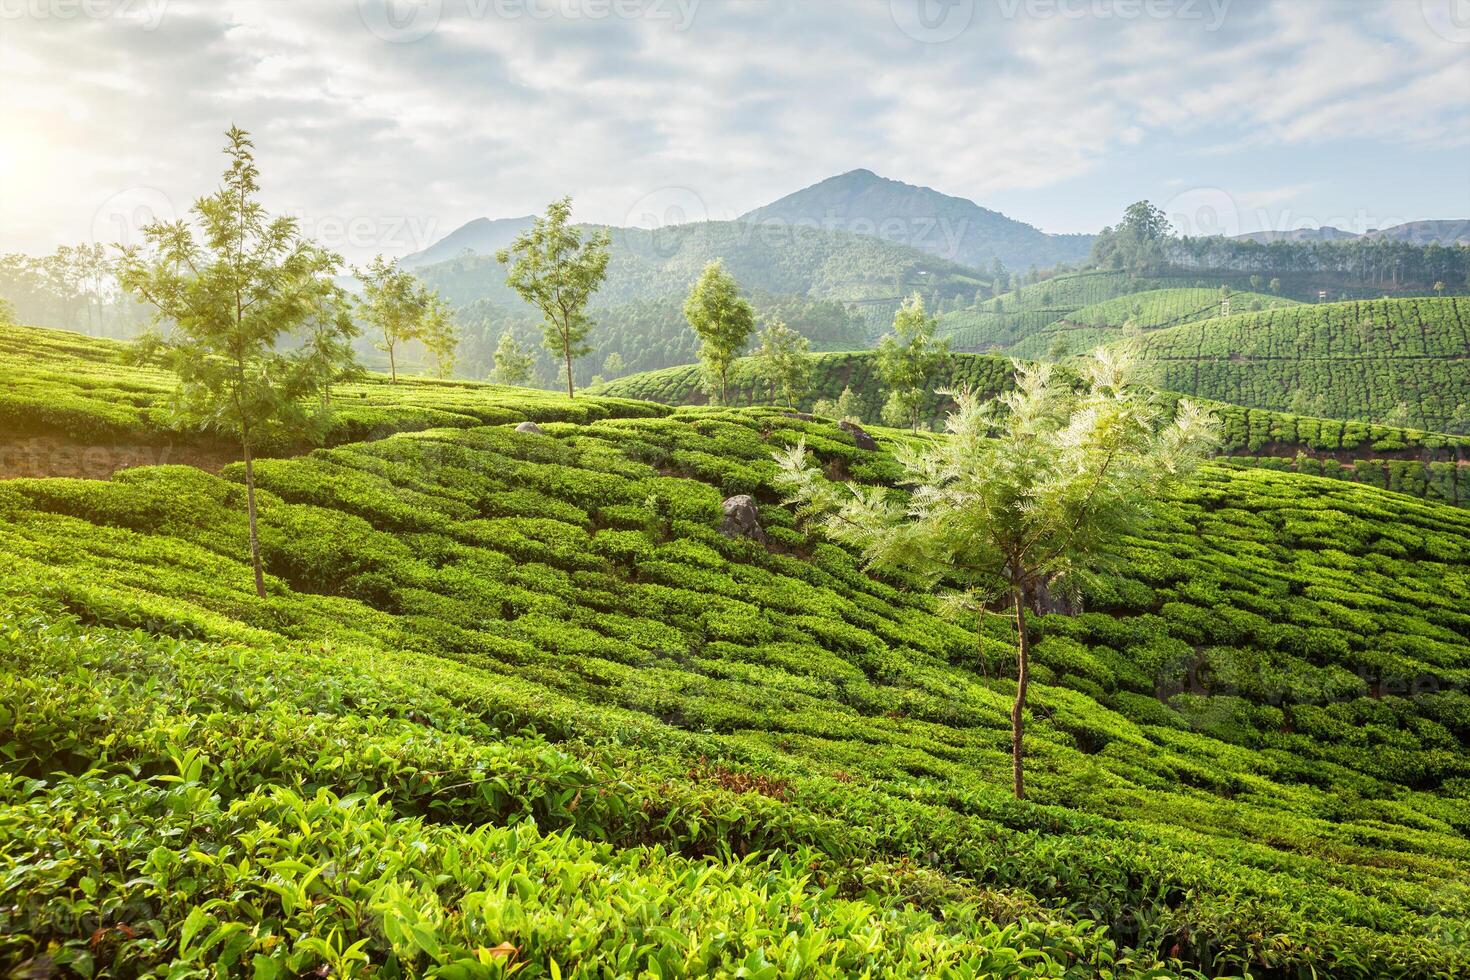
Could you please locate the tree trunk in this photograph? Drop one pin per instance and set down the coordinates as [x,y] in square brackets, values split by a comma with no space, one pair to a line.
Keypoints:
[392,366]
[568,352]
[250,510]
[1023,677]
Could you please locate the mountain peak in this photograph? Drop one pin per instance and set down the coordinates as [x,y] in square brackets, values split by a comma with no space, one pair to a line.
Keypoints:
[952,228]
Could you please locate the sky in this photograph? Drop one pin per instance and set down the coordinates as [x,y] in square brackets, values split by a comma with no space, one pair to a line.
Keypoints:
[385,124]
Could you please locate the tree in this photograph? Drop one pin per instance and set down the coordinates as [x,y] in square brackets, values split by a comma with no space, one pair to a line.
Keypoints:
[227,297]
[908,357]
[7,311]
[1029,494]
[783,360]
[557,272]
[440,335]
[396,304]
[512,361]
[1137,244]
[1144,222]
[613,366]
[1439,289]
[847,406]
[1255,284]
[1274,285]
[329,331]
[722,320]
[1000,276]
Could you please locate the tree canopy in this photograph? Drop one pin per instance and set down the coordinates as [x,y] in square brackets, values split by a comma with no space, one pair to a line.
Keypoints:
[1032,491]
[555,270]
[227,291]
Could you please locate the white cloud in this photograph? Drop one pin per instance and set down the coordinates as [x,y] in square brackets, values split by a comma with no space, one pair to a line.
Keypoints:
[495,115]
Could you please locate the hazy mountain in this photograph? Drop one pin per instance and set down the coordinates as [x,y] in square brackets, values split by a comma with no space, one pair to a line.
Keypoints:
[1324,234]
[948,227]
[1453,232]
[482,236]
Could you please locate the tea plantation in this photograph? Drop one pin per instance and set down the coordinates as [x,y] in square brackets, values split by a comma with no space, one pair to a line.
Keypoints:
[514,705]
[1424,464]
[1083,330]
[88,390]
[481,629]
[1403,360]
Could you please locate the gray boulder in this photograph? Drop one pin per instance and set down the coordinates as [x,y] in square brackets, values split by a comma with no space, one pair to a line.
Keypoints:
[858,433]
[530,427]
[742,520]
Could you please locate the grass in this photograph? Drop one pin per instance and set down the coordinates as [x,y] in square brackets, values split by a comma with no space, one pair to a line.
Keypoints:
[513,704]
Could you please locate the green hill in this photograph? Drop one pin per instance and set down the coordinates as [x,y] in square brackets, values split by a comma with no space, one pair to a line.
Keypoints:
[1417,462]
[1080,298]
[1402,361]
[513,701]
[80,404]
[836,288]
[951,227]
[1090,326]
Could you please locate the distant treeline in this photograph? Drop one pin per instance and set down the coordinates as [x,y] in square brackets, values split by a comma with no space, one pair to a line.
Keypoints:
[1375,262]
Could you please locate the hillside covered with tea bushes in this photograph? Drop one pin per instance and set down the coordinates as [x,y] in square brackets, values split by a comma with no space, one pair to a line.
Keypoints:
[89,391]
[1084,299]
[1424,464]
[1402,360]
[513,703]
[1085,329]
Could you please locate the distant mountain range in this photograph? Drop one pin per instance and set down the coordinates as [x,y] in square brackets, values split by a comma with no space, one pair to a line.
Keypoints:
[856,203]
[483,236]
[1454,232]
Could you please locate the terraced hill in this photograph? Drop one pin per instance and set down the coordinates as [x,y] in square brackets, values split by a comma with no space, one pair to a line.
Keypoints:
[77,406]
[1086,328]
[1005,320]
[1421,463]
[1405,360]
[513,701]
